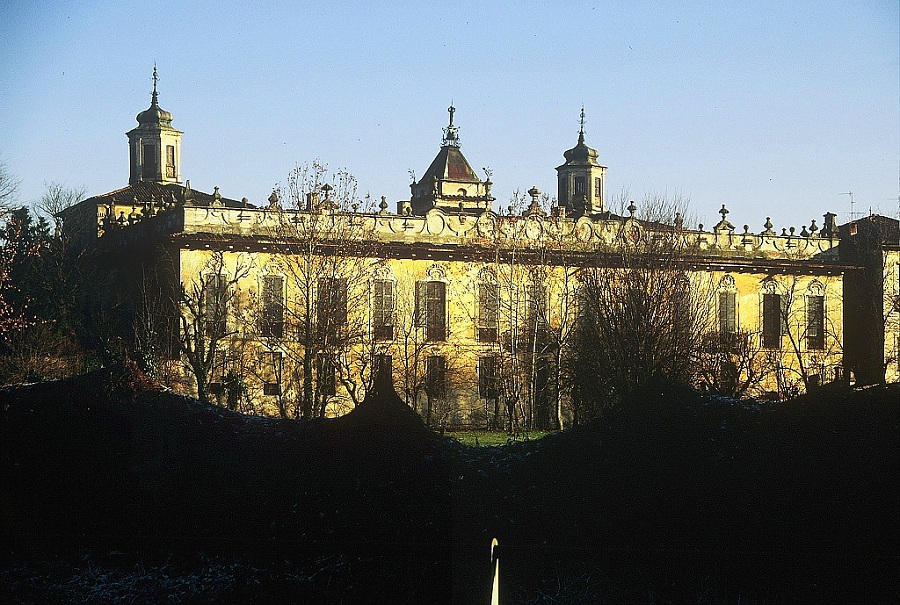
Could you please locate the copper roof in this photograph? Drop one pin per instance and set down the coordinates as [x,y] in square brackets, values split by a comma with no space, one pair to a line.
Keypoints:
[450,164]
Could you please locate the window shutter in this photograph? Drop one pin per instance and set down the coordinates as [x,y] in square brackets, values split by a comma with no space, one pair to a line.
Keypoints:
[727,312]
[488,312]
[815,322]
[420,304]
[772,321]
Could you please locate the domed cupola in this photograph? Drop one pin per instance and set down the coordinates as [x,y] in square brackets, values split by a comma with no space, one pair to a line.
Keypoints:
[582,180]
[155,115]
[154,146]
[581,153]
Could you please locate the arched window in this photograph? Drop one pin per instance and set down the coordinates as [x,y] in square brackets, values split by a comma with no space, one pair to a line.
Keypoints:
[728,323]
[383,308]
[488,308]
[774,315]
[815,316]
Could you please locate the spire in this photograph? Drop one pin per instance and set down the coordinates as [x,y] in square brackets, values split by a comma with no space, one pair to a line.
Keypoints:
[451,132]
[154,145]
[155,97]
[155,116]
[581,130]
[581,153]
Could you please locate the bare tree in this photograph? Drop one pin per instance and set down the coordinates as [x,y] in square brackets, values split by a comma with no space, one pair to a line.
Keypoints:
[205,303]
[734,364]
[57,198]
[641,316]
[326,266]
[812,337]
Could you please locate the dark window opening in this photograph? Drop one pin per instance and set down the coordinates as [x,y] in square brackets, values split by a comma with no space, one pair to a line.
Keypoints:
[272,321]
[534,335]
[431,309]
[815,322]
[488,380]
[488,311]
[773,321]
[580,185]
[331,307]
[436,376]
[383,309]
[272,363]
[727,313]
[170,161]
[149,163]
[216,317]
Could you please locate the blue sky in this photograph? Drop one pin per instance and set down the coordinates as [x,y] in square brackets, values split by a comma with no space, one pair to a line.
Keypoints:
[773,108]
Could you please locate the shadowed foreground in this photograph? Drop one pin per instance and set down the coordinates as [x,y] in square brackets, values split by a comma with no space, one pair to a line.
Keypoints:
[112,491]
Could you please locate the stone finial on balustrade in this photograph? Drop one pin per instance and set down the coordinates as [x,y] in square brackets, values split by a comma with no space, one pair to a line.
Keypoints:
[534,208]
[723,225]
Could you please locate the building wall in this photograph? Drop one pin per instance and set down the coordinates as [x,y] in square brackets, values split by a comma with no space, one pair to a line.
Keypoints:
[781,369]
[891,313]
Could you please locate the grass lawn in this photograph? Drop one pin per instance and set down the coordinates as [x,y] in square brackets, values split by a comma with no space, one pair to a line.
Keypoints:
[491,438]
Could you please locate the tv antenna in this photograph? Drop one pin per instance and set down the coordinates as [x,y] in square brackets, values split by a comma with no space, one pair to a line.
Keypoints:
[853,213]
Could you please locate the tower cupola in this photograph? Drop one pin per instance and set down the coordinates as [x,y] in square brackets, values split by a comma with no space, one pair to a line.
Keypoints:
[450,182]
[581,180]
[154,146]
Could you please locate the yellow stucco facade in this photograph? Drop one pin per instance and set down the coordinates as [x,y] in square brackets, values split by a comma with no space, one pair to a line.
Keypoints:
[471,309]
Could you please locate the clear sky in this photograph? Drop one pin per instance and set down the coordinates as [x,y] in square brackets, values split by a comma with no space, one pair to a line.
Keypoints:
[774,108]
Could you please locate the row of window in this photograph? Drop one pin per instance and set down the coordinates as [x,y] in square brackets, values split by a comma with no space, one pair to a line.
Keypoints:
[435,383]
[775,314]
[431,310]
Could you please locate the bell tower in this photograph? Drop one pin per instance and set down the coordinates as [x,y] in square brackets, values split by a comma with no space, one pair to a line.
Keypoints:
[154,147]
[582,180]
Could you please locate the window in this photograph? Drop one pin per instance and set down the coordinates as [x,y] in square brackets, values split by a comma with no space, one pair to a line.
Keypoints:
[431,309]
[773,320]
[326,379]
[488,380]
[215,292]
[331,306]
[537,306]
[815,322]
[598,187]
[272,320]
[170,161]
[534,334]
[727,313]
[383,309]
[217,373]
[149,164]
[488,311]
[271,362]
[580,185]
[435,376]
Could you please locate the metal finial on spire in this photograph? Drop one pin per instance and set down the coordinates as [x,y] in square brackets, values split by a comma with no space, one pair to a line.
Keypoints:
[581,129]
[155,80]
[451,132]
